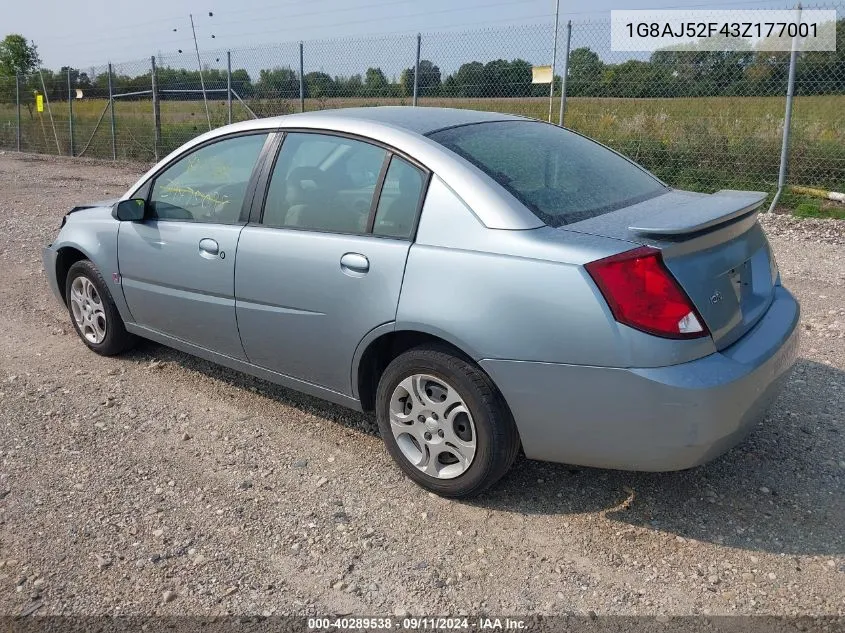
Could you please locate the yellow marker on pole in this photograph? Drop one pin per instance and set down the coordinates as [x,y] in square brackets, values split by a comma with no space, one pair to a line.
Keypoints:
[39,102]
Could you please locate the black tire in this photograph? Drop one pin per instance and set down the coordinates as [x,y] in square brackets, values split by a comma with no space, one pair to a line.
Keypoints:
[116,339]
[496,436]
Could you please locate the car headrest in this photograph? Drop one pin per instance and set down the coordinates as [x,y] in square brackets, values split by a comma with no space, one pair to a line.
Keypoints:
[304,184]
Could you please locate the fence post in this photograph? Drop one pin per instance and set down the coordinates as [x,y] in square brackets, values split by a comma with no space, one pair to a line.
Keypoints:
[417,69]
[111,107]
[564,74]
[229,85]
[156,107]
[301,78]
[18,108]
[70,112]
[554,60]
[787,119]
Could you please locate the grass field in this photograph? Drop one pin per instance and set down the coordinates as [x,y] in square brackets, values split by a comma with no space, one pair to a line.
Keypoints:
[704,144]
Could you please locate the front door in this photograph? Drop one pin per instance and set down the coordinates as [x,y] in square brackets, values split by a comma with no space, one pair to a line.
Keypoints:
[325,264]
[177,267]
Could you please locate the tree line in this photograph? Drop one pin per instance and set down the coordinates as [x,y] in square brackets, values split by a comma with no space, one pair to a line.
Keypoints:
[664,74]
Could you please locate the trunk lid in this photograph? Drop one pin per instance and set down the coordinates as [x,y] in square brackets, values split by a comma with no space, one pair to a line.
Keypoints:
[714,247]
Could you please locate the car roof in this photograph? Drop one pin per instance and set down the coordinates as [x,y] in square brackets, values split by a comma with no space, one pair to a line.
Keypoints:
[420,120]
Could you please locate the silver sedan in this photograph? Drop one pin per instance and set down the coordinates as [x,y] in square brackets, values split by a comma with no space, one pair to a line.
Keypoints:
[482,282]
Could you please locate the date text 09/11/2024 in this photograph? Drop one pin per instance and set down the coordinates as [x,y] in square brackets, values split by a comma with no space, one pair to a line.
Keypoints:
[417,623]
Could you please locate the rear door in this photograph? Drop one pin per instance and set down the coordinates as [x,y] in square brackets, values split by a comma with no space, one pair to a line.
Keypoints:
[323,264]
[178,265]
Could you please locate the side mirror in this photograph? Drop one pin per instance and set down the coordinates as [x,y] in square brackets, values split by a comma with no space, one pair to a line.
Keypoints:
[132,210]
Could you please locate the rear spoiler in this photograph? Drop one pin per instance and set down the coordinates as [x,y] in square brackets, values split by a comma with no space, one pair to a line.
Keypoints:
[701,213]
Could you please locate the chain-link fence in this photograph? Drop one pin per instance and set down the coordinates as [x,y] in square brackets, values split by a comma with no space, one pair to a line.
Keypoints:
[699,120]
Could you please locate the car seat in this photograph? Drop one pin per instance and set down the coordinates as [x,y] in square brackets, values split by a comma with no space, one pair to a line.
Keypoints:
[307,199]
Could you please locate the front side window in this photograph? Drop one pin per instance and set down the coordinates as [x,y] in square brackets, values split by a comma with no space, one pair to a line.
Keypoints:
[209,184]
[399,200]
[560,176]
[324,183]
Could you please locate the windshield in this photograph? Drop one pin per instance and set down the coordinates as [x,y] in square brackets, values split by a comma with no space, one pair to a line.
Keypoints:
[561,176]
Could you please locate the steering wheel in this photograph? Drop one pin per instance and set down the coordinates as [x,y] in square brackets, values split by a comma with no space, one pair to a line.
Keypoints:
[214,209]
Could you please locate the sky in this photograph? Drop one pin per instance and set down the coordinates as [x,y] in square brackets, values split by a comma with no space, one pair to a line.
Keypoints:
[119,30]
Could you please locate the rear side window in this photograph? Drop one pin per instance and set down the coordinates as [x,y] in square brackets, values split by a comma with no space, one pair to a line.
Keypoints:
[322,182]
[399,200]
[560,176]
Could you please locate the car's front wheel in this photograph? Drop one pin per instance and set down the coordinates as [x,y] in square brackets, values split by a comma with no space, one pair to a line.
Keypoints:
[444,422]
[93,312]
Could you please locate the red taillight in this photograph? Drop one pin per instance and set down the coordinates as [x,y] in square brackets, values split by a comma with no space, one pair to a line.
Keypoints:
[642,293]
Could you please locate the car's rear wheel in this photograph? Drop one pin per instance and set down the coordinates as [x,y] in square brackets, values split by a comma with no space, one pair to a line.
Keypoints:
[444,422]
[93,312]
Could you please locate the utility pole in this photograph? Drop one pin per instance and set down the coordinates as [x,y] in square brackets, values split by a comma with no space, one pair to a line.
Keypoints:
[199,65]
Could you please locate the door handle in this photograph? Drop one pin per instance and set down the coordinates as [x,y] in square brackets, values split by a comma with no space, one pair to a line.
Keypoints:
[354,264]
[208,247]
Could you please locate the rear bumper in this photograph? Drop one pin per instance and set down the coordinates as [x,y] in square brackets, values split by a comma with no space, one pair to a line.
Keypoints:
[652,419]
[48,259]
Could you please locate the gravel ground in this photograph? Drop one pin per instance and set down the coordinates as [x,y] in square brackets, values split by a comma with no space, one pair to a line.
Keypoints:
[159,483]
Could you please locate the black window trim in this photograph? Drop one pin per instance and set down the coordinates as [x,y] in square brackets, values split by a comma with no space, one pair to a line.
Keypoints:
[382,174]
[256,212]
[145,190]
[259,198]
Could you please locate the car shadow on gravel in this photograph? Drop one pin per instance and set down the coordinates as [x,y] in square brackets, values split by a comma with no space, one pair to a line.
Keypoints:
[148,351]
[781,491]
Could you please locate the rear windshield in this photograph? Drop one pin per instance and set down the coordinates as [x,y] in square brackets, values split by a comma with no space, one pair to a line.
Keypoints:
[561,176]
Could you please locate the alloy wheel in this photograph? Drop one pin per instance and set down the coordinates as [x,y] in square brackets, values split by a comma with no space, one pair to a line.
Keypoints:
[433,426]
[88,310]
